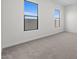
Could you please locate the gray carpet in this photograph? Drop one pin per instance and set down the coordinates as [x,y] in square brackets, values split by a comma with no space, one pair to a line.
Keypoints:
[60,46]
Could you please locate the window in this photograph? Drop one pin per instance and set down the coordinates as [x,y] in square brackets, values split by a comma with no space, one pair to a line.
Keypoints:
[57,17]
[30,15]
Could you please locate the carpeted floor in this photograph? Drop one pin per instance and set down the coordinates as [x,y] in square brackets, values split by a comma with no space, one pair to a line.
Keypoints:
[59,46]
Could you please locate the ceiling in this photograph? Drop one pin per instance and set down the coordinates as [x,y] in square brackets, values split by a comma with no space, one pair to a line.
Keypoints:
[67,2]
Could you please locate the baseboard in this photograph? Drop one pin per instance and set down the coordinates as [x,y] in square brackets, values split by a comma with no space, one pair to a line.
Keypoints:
[33,39]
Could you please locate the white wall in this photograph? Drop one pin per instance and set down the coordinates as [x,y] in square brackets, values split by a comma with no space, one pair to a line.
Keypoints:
[71,18]
[13,22]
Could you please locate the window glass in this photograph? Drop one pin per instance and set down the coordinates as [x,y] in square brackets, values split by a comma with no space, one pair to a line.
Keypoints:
[56,13]
[30,15]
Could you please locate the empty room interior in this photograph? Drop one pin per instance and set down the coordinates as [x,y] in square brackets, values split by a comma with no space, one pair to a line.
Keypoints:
[39,29]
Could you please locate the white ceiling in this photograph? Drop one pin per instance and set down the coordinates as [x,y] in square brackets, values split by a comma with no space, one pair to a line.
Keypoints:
[67,2]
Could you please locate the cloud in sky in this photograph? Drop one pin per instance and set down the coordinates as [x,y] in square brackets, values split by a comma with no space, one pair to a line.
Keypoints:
[29,13]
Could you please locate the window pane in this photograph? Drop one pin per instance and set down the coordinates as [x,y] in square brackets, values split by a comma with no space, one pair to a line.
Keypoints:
[56,13]
[30,8]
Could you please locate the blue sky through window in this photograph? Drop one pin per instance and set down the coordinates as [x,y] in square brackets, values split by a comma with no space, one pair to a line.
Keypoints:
[30,8]
[56,13]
